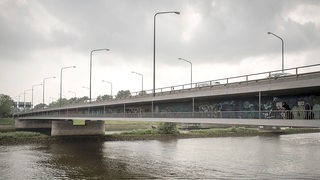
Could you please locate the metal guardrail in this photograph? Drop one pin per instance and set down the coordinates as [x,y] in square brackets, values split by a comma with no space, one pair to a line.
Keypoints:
[243,78]
[263,76]
[282,114]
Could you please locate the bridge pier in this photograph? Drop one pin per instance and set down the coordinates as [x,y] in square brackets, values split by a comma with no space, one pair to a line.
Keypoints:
[66,128]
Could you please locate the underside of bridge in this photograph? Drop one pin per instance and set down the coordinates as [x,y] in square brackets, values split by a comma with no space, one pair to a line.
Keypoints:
[66,128]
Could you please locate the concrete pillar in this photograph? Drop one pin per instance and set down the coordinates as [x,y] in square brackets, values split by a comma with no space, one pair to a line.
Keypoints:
[32,124]
[66,128]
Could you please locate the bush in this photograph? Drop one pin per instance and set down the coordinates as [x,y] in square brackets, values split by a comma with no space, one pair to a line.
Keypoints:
[167,128]
[20,135]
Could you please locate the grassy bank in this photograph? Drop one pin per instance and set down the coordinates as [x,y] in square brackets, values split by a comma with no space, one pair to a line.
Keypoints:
[17,137]
[149,134]
[6,121]
[128,125]
[6,124]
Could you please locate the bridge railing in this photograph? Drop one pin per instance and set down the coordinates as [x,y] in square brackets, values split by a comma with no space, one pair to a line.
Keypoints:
[267,76]
[279,114]
[290,72]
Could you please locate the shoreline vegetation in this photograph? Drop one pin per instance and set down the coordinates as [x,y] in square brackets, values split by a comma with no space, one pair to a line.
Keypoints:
[137,131]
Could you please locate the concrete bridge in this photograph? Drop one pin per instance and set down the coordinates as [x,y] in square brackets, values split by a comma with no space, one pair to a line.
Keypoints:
[282,99]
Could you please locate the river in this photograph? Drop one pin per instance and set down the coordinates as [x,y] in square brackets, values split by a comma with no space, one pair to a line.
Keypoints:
[273,157]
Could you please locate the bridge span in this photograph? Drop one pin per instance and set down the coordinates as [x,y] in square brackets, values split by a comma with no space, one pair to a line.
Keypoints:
[290,98]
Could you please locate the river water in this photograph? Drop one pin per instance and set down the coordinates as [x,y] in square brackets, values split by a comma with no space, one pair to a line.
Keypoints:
[273,157]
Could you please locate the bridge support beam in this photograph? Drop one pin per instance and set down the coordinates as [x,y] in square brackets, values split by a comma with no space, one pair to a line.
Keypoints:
[66,128]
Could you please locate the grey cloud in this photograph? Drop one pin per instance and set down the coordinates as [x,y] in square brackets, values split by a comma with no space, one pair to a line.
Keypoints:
[230,30]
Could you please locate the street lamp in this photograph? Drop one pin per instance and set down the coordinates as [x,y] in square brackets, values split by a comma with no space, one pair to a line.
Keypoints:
[91,67]
[141,79]
[154,47]
[32,93]
[110,85]
[43,83]
[282,48]
[191,68]
[24,99]
[61,80]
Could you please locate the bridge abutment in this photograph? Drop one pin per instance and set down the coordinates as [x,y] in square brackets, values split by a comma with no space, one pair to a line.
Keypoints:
[66,128]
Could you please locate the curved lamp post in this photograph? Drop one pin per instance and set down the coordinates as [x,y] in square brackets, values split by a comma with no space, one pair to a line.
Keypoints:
[110,85]
[141,79]
[43,83]
[154,46]
[191,69]
[61,80]
[91,67]
[282,48]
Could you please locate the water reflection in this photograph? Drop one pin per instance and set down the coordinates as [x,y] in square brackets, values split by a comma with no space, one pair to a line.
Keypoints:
[86,160]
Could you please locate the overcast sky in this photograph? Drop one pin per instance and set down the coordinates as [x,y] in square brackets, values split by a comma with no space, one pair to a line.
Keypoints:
[222,38]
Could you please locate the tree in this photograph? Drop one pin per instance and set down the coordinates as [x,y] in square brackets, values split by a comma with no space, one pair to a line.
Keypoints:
[84,99]
[167,128]
[103,98]
[39,106]
[6,105]
[123,94]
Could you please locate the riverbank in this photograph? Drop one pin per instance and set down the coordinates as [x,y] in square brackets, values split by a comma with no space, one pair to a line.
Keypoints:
[23,137]
[205,133]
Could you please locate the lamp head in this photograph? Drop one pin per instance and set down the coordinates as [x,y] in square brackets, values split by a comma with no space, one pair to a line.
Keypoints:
[177,12]
[269,32]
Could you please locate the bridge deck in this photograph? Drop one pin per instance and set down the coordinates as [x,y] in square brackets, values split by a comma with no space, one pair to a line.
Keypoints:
[225,121]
